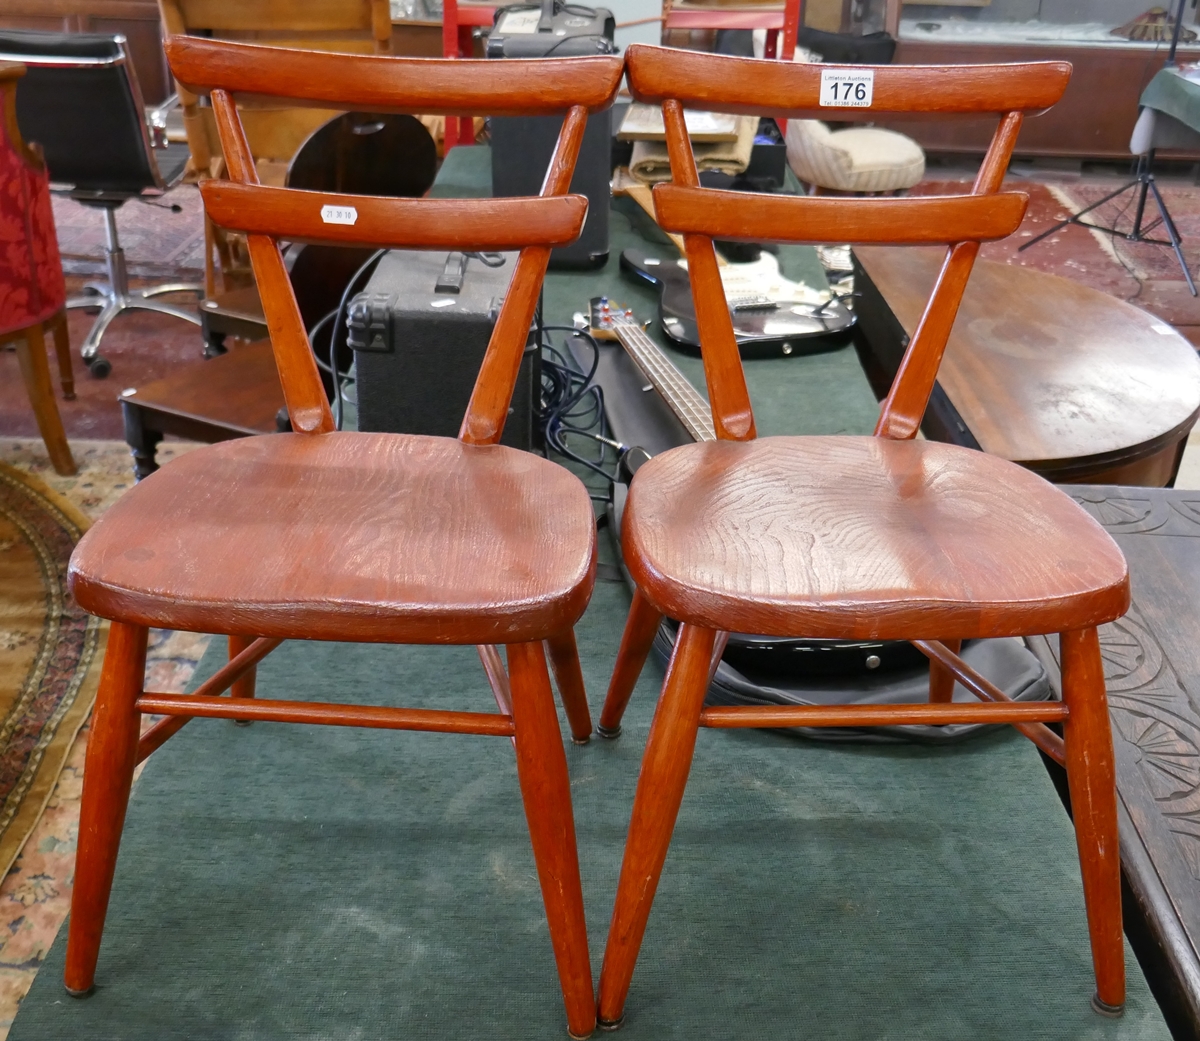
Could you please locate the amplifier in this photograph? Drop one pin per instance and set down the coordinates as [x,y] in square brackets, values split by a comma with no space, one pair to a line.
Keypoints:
[522,145]
[419,330]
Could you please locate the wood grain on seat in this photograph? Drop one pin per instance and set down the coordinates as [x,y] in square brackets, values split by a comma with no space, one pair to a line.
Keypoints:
[865,538]
[347,536]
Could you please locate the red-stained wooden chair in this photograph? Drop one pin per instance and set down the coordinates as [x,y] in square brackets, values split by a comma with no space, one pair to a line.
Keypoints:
[384,538]
[33,292]
[882,537]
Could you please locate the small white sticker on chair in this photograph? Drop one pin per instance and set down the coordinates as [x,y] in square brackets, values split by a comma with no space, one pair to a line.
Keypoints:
[339,214]
[847,88]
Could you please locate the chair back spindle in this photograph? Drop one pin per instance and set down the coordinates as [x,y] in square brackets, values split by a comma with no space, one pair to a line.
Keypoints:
[266,214]
[718,83]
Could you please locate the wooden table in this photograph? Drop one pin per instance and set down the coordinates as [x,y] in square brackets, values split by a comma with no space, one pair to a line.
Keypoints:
[1063,379]
[234,395]
[1152,668]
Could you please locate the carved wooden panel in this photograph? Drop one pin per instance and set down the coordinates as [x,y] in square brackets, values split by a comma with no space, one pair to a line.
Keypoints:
[1152,668]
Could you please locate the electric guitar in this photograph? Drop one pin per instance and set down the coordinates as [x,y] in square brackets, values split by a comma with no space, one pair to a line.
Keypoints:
[761,654]
[772,316]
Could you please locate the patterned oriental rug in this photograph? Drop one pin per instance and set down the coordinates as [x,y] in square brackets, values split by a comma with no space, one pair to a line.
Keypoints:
[50,651]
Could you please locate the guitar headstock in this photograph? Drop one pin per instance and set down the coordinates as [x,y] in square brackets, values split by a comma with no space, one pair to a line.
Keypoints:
[604,315]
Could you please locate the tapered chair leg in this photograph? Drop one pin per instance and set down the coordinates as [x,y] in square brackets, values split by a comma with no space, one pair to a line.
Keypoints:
[546,790]
[35,371]
[243,686]
[62,351]
[108,774]
[568,677]
[1091,775]
[941,679]
[663,777]
[636,640]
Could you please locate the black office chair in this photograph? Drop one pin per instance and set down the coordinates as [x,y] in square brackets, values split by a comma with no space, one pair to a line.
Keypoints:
[80,101]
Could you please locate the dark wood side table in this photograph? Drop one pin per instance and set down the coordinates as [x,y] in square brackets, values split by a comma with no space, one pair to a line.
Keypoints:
[1063,379]
[1152,670]
[235,395]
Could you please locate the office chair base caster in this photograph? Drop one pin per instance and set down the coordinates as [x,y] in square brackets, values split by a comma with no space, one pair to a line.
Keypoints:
[99,366]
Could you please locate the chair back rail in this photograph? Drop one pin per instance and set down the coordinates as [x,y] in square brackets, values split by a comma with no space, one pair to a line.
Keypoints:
[381,221]
[718,82]
[268,214]
[745,85]
[421,86]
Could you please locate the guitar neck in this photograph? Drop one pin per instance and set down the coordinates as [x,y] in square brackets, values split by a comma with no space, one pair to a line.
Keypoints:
[681,397]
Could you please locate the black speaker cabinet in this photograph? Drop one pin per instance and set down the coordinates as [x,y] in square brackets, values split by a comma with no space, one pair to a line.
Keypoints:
[419,341]
[521,149]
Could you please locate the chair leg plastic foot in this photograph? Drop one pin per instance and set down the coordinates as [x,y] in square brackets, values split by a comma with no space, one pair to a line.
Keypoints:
[80,994]
[608,735]
[1112,1011]
[611,1024]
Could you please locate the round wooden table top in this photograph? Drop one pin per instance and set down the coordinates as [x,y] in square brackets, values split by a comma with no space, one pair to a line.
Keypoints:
[1044,370]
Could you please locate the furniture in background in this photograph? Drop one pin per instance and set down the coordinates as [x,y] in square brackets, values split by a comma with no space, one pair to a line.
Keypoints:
[34,297]
[403,539]
[137,20]
[275,130]
[884,537]
[781,22]
[80,101]
[859,159]
[238,396]
[1068,381]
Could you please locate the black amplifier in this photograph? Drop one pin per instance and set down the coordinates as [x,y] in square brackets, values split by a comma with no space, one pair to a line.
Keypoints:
[419,331]
[522,145]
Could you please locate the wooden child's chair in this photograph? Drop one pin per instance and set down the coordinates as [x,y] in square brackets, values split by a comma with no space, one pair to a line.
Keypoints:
[882,537]
[383,538]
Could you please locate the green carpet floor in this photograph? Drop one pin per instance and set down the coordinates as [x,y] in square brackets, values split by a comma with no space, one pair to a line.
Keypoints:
[308,882]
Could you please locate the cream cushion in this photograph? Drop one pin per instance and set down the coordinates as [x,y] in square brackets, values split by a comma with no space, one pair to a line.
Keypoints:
[861,159]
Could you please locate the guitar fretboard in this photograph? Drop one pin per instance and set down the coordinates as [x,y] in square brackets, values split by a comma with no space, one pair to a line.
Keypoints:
[676,390]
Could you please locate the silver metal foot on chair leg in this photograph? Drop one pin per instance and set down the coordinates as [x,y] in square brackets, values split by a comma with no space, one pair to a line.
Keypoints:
[80,994]
[610,1025]
[1111,1011]
[608,735]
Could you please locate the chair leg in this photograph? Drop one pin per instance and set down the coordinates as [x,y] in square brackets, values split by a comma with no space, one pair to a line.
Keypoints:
[546,790]
[665,766]
[568,677]
[636,640]
[108,774]
[35,372]
[1091,776]
[243,686]
[941,679]
[62,350]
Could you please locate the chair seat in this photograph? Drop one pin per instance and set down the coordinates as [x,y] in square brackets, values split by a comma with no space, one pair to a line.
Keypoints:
[346,536]
[859,159]
[865,538]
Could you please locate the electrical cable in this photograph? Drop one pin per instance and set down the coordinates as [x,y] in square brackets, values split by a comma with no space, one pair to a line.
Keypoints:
[339,316]
[572,404]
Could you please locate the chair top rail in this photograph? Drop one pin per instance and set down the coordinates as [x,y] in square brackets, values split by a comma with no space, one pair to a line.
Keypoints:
[751,86]
[784,218]
[438,86]
[385,223]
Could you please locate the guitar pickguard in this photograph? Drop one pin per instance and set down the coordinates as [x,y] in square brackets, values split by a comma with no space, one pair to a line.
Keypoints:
[771,316]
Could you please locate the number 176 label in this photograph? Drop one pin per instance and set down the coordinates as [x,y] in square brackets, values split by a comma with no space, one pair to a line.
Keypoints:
[844,88]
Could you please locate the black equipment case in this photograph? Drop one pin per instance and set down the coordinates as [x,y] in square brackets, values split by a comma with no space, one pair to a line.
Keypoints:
[522,145]
[419,331]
